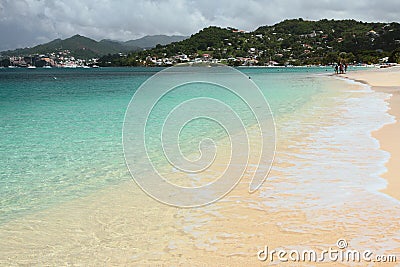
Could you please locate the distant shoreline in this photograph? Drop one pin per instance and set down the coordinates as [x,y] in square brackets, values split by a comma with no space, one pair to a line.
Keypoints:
[363,66]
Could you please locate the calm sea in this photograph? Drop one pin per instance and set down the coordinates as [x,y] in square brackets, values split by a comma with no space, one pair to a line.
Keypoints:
[61,128]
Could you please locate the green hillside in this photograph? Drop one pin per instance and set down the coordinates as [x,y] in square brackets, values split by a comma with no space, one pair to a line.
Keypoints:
[289,42]
[79,46]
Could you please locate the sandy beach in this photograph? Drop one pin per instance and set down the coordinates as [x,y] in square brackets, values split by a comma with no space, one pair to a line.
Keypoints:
[387,81]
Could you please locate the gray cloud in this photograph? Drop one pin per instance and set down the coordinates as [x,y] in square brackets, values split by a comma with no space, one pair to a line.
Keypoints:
[29,22]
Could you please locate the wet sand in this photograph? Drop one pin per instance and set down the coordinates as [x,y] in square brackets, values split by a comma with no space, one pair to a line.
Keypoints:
[387,81]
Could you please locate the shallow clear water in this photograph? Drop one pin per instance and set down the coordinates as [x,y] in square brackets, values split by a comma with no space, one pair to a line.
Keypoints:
[60,134]
[61,129]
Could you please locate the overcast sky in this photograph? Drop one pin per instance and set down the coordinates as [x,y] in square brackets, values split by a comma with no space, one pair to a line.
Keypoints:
[30,22]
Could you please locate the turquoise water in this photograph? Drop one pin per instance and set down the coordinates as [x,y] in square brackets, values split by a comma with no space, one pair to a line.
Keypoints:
[61,128]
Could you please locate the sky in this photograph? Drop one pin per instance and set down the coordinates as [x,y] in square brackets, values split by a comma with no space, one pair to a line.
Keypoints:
[25,23]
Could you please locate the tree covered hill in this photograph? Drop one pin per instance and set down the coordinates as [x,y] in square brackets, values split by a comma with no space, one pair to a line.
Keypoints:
[83,47]
[295,41]
[79,46]
[347,36]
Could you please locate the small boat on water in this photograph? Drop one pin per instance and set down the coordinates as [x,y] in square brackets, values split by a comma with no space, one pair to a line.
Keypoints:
[31,67]
[47,67]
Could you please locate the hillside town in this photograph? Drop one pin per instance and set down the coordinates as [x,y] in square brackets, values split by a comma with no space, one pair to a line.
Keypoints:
[289,43]
[62,59]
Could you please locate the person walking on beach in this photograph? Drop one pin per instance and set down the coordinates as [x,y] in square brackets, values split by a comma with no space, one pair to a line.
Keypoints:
[341,68]
[336,69]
